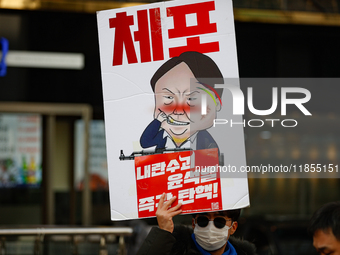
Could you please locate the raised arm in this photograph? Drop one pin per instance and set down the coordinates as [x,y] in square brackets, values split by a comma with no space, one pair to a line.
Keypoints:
[160,240]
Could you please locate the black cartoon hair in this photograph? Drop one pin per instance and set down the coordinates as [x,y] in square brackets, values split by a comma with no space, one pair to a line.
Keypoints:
[203,67]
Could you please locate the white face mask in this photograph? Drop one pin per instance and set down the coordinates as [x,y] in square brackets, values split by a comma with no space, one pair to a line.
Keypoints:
[211,238]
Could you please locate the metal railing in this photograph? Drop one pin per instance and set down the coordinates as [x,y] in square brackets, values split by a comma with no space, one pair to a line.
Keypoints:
[102,236]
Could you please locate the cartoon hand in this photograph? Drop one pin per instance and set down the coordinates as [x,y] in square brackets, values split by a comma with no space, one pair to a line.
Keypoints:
[165,214]
[161,116]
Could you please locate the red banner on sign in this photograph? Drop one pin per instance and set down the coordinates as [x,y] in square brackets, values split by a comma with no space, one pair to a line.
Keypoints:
[182,174]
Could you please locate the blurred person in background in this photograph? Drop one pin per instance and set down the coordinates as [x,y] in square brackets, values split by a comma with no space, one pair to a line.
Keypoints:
[325,229]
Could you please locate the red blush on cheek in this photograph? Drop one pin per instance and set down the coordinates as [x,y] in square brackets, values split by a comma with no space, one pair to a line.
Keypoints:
[167,108]
[186,108]
[180,108]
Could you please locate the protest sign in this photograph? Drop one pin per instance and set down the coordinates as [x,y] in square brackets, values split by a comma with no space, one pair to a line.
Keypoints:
[160,64]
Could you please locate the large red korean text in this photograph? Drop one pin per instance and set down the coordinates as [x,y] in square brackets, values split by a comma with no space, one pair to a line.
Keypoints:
[149,35]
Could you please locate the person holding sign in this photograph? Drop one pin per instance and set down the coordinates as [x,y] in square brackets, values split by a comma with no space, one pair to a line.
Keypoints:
[211,234]
[181,85]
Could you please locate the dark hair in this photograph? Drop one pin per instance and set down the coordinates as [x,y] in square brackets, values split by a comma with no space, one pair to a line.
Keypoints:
[232,214]
[203,67]
[325,218]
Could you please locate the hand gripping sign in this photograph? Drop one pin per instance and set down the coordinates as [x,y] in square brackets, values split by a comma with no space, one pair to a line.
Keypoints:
[161,64]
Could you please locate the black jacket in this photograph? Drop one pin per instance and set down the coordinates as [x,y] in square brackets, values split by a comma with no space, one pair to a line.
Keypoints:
[162,242]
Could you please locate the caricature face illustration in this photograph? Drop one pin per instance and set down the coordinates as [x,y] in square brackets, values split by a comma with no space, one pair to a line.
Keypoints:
[178,103]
